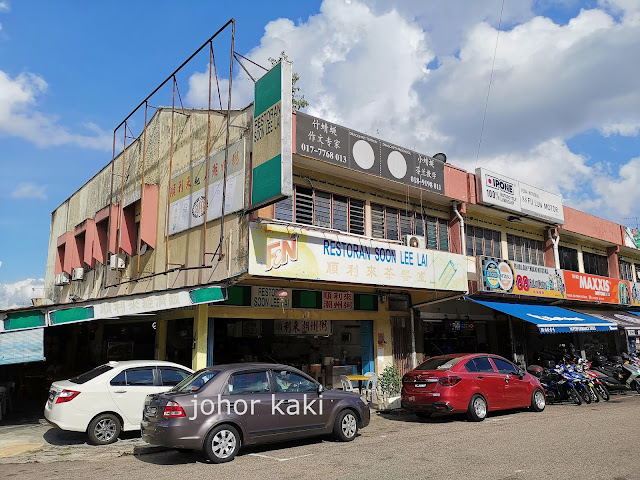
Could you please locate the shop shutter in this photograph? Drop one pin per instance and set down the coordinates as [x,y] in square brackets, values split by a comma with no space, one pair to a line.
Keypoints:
[340,213]
[284,209]
[443,235]
[432,233]
[393,230]
[377,221]
[322,209]
[356,216]
[304,206]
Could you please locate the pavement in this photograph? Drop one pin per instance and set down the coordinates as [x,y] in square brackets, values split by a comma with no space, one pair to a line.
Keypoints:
[597,441]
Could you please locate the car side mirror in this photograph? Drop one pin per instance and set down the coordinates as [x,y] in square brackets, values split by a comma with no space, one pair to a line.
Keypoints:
[320,389]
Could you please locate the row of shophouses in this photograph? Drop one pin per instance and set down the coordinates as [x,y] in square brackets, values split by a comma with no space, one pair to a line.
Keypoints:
[377,255]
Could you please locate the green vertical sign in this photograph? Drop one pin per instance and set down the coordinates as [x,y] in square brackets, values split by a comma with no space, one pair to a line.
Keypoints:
[271,177]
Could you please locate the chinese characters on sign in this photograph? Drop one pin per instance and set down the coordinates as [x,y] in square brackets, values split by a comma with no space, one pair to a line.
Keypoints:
[337,301]
[302,327]
[347,148]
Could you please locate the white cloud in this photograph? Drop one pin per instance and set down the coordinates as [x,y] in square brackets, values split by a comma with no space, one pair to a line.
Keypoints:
[20,118]
[20,293]
[0,263]
[621,192]
[30,191]
[624,129]
[4,7]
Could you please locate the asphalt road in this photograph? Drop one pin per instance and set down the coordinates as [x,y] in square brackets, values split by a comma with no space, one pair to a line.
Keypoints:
[597,441]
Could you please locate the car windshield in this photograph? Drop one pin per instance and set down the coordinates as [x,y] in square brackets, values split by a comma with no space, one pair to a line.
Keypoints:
[438,363]
[194,382]
[91,374]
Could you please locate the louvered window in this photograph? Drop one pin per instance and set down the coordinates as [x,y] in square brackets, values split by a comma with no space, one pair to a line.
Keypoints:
[432,233]
[525,250]
[284,209]
[626,273]
[304,206]
[482,241]
[443,235]
[341,213]
[393,230]
[356,216]
[377,221]
[322,209]
[406,226]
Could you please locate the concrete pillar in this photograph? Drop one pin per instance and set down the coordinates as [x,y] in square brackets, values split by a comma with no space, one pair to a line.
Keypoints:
[161,339]
[200,327]
[612,259]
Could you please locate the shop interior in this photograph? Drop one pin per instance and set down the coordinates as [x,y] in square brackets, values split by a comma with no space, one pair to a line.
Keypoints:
[325,357]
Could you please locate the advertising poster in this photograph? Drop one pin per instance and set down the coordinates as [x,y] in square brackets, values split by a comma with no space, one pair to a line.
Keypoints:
[505,276]
[592,288]
[280,251]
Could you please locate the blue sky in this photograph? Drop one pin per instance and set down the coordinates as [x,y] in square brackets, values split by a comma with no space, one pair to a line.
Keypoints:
[563,114]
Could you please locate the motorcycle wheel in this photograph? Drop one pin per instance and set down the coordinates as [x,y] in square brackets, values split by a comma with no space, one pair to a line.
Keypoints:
[592,393]
[602,391]
[636,386]
[573,395]
[584,394]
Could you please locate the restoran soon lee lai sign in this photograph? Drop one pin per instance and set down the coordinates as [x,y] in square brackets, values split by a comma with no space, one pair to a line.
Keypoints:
[280,251]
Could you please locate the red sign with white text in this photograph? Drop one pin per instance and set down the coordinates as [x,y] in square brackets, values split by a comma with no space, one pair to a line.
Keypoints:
[592,288]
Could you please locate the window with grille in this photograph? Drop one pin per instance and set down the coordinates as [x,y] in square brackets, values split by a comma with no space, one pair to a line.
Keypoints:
[482,241]
[595,264]
[393,224]
[568,259]
[626,272]
[322,209]
[527,250]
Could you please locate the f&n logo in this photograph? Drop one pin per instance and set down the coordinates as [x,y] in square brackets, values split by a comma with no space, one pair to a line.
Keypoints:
[279,252]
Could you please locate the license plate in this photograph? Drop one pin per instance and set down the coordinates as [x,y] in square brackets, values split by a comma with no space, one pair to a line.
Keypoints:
[420,385]
[150,410]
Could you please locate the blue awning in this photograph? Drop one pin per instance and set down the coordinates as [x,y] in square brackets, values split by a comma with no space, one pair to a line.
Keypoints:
[635,313]
[22,346]
[550,319]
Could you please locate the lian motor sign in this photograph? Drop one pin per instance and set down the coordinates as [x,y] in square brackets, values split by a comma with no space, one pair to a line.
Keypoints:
[326,141]
[286,252]
[505,276]
[271,177]
[508,194]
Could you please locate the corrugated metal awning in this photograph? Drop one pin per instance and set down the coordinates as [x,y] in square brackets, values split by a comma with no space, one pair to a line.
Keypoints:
[22,346]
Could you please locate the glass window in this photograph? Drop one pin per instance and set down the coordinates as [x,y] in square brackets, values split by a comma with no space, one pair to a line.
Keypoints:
[438,363]
[287,382]
[194,382]
[471,366]
[626,273]
[245,383]
[482,241]
[443,235]
[356,216]
[406,228]
[595,264]
[377,221]
[341,213]
[469,241]
[393,231]
[322,209]
[172,376]
[91,374]
[505,367]
[304,205]
[525,250]
[139,376]
[483,364]
[568,259]
[637,266]
[119,379]
[432,233]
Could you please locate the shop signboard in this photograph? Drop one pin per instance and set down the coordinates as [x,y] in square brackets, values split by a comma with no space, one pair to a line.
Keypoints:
[286,252]
[271,177]
[266,297]
[302,327]
[187,193]
[508,194]
[331,143]
[505,276]
[592,288]
[337,301]
[632,237]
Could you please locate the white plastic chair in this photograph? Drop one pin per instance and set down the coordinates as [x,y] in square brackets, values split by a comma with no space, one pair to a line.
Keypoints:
[371,386]
[347,386]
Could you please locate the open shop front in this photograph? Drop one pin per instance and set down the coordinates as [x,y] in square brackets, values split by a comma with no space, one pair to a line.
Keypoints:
[545,331]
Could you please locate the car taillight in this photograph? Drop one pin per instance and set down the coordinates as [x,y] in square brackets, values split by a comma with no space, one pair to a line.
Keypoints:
[173,410]
[448,381]
[66,396]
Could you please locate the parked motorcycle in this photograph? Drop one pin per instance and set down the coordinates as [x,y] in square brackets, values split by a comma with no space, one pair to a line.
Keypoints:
[557,384]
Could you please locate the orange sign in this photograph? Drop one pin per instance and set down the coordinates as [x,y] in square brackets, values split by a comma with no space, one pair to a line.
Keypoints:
[592,288]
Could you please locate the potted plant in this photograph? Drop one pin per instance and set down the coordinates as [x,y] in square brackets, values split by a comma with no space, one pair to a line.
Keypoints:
[390,384]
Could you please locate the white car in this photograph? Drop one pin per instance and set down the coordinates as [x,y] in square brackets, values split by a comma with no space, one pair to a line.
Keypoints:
[110,398]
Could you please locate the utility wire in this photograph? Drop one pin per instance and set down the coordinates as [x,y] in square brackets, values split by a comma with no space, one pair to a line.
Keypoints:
[486,104]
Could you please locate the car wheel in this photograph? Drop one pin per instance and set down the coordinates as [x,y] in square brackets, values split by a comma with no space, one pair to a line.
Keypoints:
[538,402]
[423,415]
[104,429]
[345,427]
[222,444]
[477,408]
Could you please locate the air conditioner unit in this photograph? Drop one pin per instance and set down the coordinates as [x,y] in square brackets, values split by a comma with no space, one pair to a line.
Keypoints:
[414,241]
[78,274]
[62,279]
[116,262]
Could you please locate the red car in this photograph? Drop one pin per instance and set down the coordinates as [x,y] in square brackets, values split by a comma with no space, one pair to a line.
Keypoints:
[473,383]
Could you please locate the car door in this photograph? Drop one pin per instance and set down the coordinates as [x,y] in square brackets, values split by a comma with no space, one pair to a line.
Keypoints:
[249,395]
[298,403]
[490,382]
[516,389]
[129,388]
[169,377]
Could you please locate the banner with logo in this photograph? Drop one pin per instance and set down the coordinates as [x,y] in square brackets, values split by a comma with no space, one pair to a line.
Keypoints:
[592,288]
[281,251]
[505,276]
[187,194]
[631,237]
